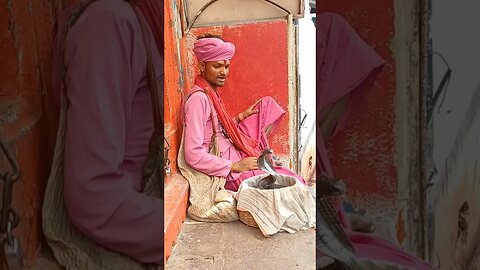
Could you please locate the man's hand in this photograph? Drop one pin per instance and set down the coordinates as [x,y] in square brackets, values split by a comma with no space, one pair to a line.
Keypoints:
[246,164]
[250,110]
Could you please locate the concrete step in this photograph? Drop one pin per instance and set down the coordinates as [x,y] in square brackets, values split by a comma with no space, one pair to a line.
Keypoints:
[234,246]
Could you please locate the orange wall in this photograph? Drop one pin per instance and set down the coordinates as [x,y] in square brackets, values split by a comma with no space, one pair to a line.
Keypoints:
[175,79]
[25,44]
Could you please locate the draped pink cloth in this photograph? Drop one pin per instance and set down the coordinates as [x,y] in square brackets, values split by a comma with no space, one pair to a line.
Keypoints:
[109,122]
[346,65]
[198,133]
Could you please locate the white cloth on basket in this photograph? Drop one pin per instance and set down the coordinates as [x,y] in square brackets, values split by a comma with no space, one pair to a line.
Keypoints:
[289,209]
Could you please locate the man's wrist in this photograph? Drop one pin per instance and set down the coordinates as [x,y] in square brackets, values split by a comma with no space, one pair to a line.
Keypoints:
[232,169]
[240,117]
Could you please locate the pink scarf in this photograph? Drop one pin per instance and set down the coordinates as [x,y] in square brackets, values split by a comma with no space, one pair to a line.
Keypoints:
[240,140]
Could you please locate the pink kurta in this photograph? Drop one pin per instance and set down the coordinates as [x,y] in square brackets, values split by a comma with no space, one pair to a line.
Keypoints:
[348,66]
[108,126]
[198,133]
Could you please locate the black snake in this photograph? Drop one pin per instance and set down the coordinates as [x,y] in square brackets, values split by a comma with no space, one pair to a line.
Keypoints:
[265,164]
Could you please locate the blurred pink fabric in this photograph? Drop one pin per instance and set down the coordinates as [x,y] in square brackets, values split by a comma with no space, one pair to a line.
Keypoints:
[108,127]
[347,65]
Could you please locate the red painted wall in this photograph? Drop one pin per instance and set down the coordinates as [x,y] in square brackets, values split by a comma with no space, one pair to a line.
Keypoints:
[364,152]
[176,188]
[28,125]
[259,68]
[175,78]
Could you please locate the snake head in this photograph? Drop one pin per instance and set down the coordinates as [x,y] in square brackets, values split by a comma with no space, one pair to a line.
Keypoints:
[265,162]
[266,151]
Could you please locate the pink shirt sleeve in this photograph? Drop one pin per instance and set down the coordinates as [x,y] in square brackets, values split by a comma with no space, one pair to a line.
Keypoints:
[197,112]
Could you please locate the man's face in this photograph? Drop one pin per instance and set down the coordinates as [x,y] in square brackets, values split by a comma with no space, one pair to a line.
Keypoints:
[215,72]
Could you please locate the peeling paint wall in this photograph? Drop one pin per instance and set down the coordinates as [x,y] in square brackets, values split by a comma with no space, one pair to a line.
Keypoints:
[406,48]
[454,228]
[176,81]
[455,232]
[27,120]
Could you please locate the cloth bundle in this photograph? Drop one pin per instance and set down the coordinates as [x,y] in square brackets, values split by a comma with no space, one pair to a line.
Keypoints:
[289,209]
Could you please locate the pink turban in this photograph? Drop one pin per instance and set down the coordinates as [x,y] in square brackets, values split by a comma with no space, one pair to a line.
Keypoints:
[213,49]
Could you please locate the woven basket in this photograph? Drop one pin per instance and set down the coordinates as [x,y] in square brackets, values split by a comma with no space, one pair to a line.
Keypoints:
[247,218]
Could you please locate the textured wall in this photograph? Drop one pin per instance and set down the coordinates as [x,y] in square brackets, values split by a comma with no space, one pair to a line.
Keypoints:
[363,153]
[454,199]
[27,120]
[175,78]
